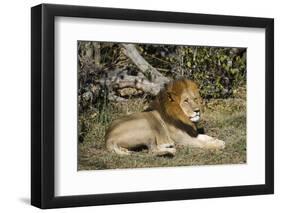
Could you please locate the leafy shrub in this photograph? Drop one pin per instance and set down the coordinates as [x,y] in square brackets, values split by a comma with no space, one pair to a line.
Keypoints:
[218,70]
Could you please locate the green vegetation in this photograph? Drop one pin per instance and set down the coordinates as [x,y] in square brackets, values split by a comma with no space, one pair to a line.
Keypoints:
[218,70]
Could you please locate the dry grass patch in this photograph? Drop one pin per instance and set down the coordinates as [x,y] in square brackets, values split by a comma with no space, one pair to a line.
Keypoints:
[224,119]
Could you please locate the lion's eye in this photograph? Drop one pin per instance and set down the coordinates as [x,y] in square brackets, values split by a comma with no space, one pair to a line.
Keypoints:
[186,100]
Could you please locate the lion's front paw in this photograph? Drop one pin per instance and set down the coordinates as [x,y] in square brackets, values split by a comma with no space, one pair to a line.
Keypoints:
[215,144]
[219,144]
[211,143]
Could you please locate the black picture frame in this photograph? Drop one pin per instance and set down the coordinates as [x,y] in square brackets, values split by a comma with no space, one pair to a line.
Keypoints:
[43,102]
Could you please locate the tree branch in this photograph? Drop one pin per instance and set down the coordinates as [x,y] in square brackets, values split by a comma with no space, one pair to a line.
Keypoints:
[152,73]
[117,80]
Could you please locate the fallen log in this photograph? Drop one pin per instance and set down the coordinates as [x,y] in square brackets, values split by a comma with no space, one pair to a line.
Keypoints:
[116,80]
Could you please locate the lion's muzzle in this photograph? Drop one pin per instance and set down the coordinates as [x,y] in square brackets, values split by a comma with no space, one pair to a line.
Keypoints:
[196,117]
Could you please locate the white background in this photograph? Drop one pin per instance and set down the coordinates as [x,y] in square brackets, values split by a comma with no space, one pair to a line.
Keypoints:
[15,106]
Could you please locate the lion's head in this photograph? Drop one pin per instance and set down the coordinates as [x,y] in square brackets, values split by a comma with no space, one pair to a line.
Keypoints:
[179,102]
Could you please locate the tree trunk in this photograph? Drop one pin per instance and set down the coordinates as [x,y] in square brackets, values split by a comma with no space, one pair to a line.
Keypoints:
[89,51]
[97,54]
[152,73]
[120,80]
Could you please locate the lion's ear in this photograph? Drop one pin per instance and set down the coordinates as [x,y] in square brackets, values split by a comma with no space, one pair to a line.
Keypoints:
[171,96]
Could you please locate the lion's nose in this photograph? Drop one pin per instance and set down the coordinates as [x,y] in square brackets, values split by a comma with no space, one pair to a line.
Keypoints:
[197,110]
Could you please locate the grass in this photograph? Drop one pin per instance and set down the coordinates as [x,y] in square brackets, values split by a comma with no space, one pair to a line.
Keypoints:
[224,119]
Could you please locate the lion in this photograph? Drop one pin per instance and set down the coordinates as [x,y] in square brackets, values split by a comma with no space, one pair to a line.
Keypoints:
[169,122]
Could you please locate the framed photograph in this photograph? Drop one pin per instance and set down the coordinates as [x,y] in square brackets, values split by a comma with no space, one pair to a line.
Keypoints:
[140,106]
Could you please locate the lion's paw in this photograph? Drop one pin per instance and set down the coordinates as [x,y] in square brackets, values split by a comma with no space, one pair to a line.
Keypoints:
[165,150]
[211,143]
[215,144]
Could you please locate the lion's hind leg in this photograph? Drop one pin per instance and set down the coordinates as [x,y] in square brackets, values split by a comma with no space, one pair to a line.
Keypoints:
[118,150]
[165,150]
